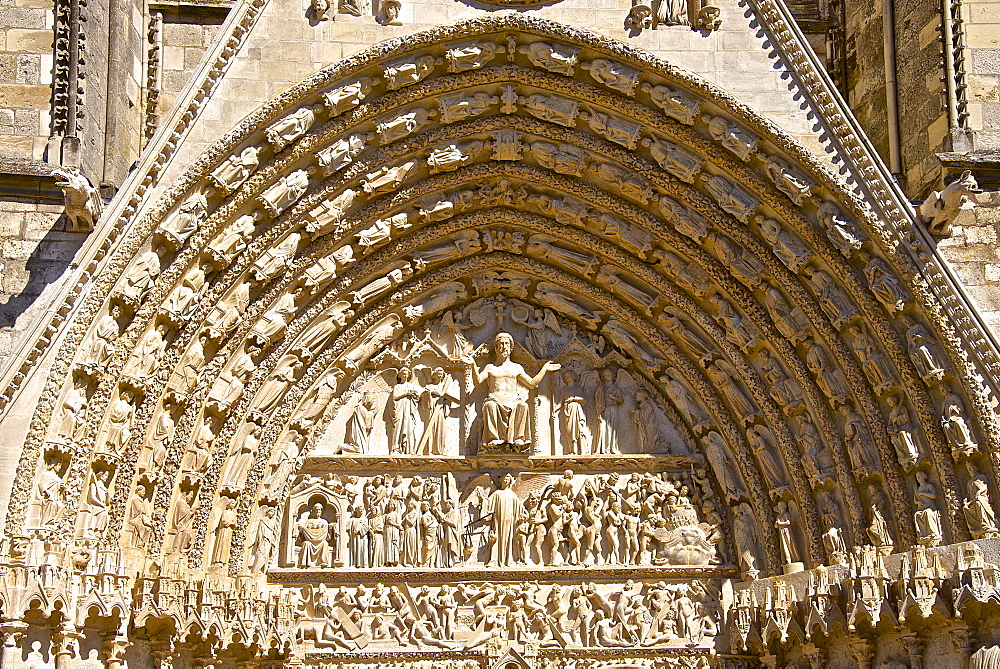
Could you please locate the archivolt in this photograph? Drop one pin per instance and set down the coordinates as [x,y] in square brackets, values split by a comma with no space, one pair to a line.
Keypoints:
[702,230]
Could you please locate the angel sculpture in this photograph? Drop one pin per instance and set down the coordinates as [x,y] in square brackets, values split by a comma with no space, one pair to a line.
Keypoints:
[610,393]
[359,427]
[572,406]
[539,324]
[438,395]
[405,413]
[505,411]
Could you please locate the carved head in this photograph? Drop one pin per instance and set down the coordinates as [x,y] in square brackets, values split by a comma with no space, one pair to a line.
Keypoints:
[403,375]
[607,375]
[316,511]
[437,376]
[506,481]
[503,345]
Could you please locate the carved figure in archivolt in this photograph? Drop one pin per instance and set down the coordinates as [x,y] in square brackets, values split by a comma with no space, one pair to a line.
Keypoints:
[293,126]
[186,219]
[558,58]
[923,349]
[676,104]
[236,169]
[927,518]
[505,411]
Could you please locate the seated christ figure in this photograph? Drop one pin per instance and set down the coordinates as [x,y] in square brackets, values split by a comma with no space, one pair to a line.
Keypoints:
[505,411]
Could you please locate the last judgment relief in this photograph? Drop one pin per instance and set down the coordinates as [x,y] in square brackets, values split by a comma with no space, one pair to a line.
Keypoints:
[504,346]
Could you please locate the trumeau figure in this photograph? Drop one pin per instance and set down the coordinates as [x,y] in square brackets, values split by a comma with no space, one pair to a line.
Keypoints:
[405,413]
[927,517]
[293,126]
[979,513]
[614,75]
[955,427]
[404,124]
[505,411]
[186,219]
[678,161]
[408,72]
[731,136]
[885,286]
[557,58]
[924,351]
[236,170]
[845,236]
[674,103]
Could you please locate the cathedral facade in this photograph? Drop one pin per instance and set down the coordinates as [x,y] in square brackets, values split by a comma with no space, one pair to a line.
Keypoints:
[466,335]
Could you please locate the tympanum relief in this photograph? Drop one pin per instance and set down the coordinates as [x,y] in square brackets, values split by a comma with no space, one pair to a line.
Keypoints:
[499,375]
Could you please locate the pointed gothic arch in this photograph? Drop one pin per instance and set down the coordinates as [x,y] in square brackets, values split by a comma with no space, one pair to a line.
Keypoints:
[671,229]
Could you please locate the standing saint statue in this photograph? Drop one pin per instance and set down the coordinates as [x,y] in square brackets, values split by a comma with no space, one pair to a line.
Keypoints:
[405,413]
[505,411]
[608,400]
[435,432]
[507,513]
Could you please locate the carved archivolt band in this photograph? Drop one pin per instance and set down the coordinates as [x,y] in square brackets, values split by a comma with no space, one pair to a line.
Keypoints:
[725,273]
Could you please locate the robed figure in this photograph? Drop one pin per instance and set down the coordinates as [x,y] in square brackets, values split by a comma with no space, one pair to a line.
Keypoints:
[507,513]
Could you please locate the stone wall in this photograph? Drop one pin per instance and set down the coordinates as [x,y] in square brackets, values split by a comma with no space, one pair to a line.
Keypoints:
[25,77]
[982,29]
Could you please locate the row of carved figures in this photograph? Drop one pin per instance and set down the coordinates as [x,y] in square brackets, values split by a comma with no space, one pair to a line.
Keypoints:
[604,520]
[471,615]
